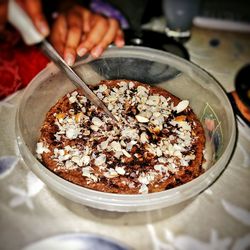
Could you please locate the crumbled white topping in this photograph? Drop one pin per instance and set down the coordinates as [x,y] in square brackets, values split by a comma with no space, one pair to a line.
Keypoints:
[118,154]
[130,133]
[131,85]
[104,145]
[172,167]
[41,148]
[130,145]
[100,160]
[159,167]
[146,178]
[126,153]
[162,160]
[69,164]
[143,179]
[144,137]
[153,100]
[120,170]
[132,141]
[97,121]
[182,105]
[58,137]
[158,152]
[143,189]
[102,88]
[116,146]
[141,118]
[142,91]
[88,172]
[85,160]
[72,132]
[77,160]
[111,173]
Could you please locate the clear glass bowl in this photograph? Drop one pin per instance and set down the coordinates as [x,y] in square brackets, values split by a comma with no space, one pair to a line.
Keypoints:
[177,75]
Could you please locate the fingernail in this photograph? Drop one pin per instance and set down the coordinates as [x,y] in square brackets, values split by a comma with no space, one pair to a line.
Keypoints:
[43,28]
[81,51]
[120,43]
[69,59]
[97,51]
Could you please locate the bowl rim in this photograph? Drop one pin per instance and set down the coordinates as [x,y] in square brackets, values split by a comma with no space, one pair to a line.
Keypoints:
[125,202]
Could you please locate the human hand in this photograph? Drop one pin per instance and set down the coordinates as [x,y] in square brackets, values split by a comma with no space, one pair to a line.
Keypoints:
[80,31]
[33,9]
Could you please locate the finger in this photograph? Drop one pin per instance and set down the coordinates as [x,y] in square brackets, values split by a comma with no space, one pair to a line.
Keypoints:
[107,39]
[34,10]
[86,15]
[74,21]
[95,35]
[3,13]
[119,39]
[59,34]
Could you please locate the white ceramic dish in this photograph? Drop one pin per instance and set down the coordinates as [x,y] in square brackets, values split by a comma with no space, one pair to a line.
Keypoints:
[177,75]
[77,241]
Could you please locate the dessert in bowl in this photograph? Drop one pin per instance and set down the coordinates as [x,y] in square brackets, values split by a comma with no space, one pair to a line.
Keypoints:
[156,143]
[116,191]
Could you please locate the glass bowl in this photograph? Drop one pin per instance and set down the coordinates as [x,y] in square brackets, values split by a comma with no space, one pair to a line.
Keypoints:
[180,77]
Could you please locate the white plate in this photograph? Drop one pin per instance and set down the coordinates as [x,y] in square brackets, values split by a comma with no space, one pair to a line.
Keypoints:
[77,241]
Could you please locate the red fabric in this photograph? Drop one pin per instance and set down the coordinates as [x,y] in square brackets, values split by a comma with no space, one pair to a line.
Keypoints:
[18,63]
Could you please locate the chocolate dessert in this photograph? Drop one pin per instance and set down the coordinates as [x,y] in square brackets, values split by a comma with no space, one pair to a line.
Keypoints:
[157,144]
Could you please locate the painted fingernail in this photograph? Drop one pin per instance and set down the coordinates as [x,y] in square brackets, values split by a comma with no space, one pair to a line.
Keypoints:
[69,59]
[97,51]
[81,51]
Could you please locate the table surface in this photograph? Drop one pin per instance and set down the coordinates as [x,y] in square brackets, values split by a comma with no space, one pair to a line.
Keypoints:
[219,218]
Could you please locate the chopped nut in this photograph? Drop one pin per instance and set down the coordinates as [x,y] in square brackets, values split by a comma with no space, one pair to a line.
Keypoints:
[94,128]
[180,118]
[159,167]
[143,189]
[104,144]
[120,170]
[111,173]
[126,153]
[78,117]
[41,148]
[97,121]
[144,137]
[153,100]
[116,146]
[60,116]
[100,160]
[141,119]
[182,105]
